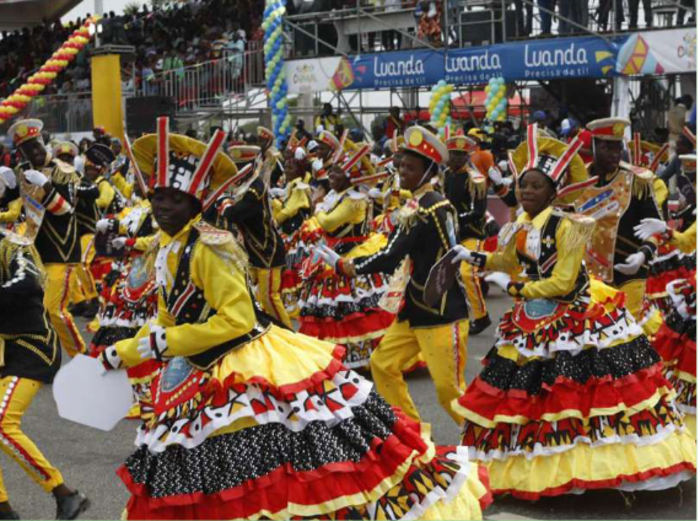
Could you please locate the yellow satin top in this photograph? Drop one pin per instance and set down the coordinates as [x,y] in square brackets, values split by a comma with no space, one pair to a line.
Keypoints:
[224,288]
[687,240]
[297,200]
[348,211]
[563,278]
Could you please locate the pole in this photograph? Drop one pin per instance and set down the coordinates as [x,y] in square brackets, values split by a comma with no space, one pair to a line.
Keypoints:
[99,7]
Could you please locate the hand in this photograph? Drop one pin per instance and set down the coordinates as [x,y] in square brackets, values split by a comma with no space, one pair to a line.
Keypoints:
[110,359]
[154,345]
[277,192]
[103,225]
[631,264]
[471,257]
[8,177]
[329,256]
[375,193]
[119,243]
[500,279]
[649,227]
[495,175]
[35,178]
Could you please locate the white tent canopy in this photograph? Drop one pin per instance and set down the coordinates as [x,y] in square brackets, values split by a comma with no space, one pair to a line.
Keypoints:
[15,14]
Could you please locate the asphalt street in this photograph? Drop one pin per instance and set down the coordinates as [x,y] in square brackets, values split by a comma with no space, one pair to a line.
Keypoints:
[89,458]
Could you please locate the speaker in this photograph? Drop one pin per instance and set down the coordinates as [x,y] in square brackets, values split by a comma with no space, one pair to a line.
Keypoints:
[141,113]
[483,30]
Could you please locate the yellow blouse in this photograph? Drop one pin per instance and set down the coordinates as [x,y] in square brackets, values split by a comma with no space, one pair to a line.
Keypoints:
[685,241]
[349,211]
[107,193]
[298,200]
[563,278]
[224,288]
[126,189]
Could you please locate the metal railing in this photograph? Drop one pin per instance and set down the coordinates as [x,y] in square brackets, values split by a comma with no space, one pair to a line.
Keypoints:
[471,22]
[207,84]
[63,113]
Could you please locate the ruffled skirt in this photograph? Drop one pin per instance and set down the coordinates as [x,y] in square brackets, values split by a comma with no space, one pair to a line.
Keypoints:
[573,397]
[281,429]
[346,310]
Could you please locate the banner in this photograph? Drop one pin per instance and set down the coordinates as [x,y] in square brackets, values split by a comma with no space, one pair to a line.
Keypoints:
[670,51]
[313,75]
[652,52]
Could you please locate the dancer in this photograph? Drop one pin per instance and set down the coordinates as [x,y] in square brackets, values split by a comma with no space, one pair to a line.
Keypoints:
[425,232]
[251,215]
[255,420]
[676,340]
[466,189]
[58,242]
[622,196]
[31,355]
[572,396]
[332,306]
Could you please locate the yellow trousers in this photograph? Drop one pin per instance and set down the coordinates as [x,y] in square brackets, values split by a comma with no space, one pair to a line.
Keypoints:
[472,284]
[56,299]
[268,283]
[16,395]
[444,349]
[634,300]
[83,287]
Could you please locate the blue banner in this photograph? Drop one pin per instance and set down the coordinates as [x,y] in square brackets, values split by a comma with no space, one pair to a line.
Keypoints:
[397,69]
[560,58]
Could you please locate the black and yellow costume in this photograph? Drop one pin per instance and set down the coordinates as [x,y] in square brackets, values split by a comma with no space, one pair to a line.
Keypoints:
[467,191]
[439,332]
[252,216]
[572,396]
[58,244]
[30,356]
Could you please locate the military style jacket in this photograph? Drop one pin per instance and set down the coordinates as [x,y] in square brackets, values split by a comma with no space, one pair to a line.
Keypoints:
[29,346]
[58,239]
[252,215]
[425,232]
[618,203]
[466,189]
[204,302]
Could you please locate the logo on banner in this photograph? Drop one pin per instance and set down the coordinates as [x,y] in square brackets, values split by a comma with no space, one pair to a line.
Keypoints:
[473,66]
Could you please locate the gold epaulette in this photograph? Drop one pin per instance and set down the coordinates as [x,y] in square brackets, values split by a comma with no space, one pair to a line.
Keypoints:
[582,228]
[63,173]
[642,182]
[477,185]
[223,243]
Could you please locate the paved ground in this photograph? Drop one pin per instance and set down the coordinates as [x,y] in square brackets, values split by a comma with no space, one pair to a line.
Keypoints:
[89,458]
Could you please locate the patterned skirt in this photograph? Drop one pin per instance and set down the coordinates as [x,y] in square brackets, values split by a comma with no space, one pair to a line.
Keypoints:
[573,397]
[346,310]
[676,343]
[280,429]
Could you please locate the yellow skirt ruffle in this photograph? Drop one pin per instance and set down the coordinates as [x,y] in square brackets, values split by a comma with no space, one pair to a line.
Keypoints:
[583,467]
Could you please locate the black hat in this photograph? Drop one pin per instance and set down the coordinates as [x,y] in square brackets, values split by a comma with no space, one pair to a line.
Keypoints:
[100,155]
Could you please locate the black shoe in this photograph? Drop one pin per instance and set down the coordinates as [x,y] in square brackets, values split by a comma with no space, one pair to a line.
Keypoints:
[9,515]
[478,325]
[70,507]
[91,309]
